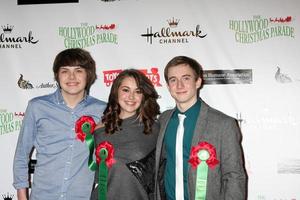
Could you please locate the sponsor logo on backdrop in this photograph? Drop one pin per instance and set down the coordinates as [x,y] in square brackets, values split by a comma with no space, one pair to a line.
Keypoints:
[171,33]
[289,166]
[27,2]
[87,35]
[261,28]
[236,76]
[10,121]
[11,40]
[26,84]
[240,119]
[152,74]
[264,197]
[282,77]
[7,196]
[261,197]
[268,121]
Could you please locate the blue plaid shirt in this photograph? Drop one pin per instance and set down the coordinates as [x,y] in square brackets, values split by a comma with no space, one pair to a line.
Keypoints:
[62,169]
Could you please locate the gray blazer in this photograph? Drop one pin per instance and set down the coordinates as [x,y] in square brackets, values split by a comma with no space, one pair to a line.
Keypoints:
[228,180]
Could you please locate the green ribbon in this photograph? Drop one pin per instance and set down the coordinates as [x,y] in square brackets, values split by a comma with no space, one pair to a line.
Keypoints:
[202,171]
[89,139]
[103,174]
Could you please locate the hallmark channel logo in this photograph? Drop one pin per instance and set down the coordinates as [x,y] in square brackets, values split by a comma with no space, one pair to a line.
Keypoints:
[8,196]
[288,166]
[26,84]
[240,119]
[264,197]
[87,35]
[261,28]
[152,74]
[8,40]
[172,34]
[10,121]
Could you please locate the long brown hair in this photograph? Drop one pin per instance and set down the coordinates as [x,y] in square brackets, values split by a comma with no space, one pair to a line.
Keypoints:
[148,110]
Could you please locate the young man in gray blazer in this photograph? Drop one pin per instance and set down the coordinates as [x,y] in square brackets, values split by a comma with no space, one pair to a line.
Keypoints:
[206,161]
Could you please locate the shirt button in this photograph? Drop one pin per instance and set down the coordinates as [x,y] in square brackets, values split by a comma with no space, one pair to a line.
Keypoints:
[65,179]
[71,145]
[61,195]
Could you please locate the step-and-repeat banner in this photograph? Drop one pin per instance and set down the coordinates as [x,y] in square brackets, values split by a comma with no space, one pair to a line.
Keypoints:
[249,51]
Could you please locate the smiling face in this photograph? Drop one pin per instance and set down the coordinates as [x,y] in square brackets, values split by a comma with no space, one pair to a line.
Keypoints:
[183,85]
[72,80]
[129,97]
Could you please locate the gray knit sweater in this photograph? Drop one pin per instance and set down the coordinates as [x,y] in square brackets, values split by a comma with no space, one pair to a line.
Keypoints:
[131,176]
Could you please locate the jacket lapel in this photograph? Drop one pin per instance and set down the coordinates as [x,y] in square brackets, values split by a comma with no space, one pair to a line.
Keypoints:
[199,133]
[163,120]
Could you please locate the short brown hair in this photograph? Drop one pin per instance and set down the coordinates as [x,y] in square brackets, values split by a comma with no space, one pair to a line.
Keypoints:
[76,57]
[192,63]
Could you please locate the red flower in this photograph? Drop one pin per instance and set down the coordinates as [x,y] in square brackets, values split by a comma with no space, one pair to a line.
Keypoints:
[83,125]
[110,150]
[194,158]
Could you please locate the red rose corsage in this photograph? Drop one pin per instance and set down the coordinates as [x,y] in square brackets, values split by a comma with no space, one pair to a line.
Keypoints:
[105,147]
[83,126]
[209,154]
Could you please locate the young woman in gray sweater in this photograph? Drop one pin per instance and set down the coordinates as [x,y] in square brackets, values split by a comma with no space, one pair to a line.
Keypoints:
[129,123]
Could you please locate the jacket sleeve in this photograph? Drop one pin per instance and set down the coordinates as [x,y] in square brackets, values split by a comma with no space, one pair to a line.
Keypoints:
[234,174]
[24,148]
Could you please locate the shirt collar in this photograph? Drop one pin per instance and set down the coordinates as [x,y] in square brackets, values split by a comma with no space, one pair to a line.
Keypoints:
[191,111]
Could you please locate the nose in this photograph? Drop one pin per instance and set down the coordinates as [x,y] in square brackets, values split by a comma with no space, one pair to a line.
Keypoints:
[131,95]
[180,84]
[72,75]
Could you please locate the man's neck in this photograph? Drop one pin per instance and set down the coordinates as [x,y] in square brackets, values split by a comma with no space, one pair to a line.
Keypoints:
[72,100]
[182,107]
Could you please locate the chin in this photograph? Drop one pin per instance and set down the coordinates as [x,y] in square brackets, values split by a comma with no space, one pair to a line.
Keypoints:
[181,99]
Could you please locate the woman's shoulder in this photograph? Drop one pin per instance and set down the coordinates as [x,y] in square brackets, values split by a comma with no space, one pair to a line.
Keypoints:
[99,125]
[99,128]
[155,127]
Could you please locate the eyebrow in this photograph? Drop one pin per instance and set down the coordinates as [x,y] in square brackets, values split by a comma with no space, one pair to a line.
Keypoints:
[123,86]
[185,75]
